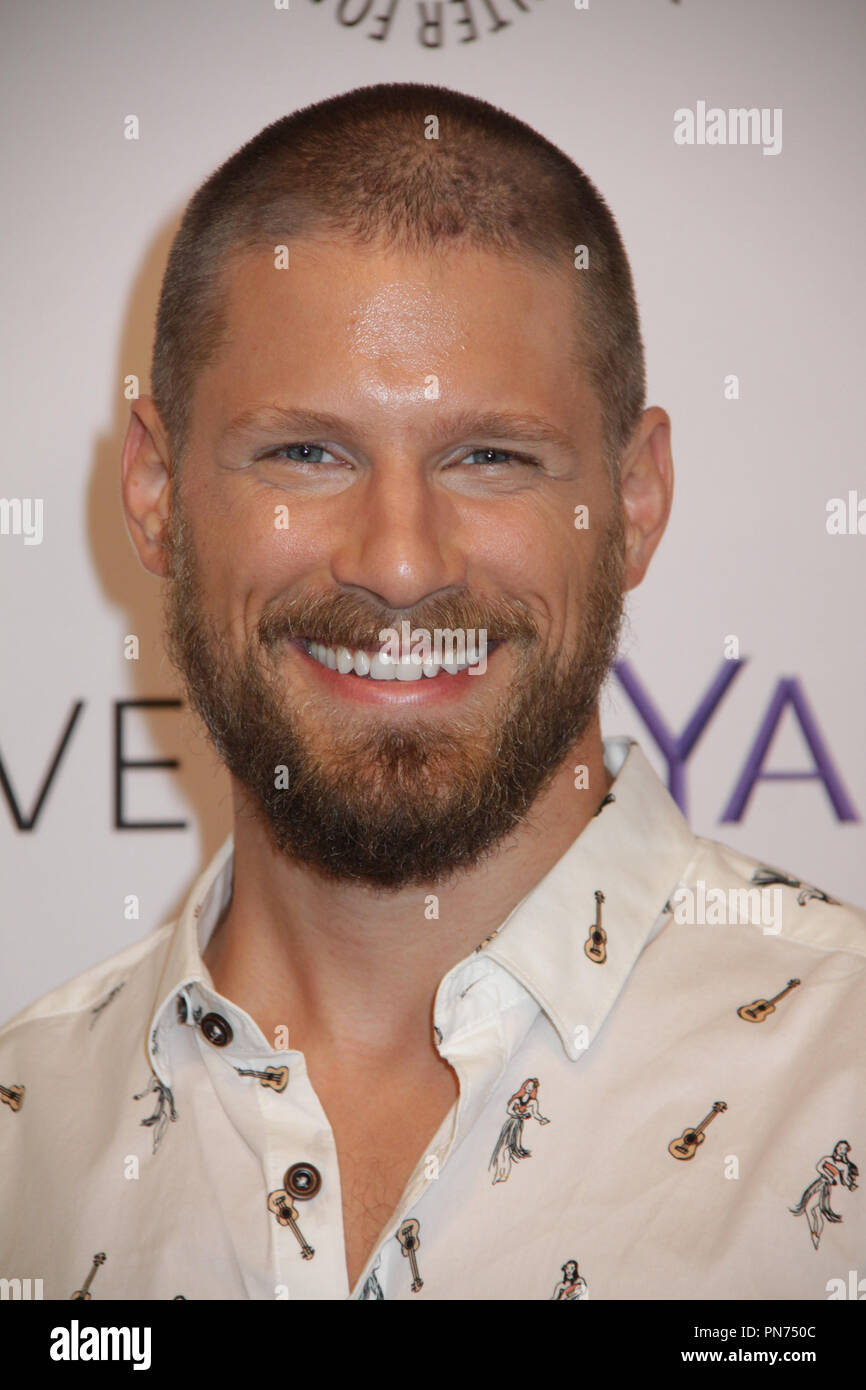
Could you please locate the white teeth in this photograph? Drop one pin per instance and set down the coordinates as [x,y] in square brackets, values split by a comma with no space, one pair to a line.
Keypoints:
[408,668]
[381,668]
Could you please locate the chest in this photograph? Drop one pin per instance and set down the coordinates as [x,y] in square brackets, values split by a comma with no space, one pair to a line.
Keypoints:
[372,1187]
[377,1152]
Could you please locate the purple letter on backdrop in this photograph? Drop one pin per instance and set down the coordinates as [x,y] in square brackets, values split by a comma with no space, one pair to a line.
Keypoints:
[788,692]
[677,750]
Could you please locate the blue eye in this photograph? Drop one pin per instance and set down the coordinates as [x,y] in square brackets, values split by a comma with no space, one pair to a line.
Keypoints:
[503,455]
[299,453]
[317,453]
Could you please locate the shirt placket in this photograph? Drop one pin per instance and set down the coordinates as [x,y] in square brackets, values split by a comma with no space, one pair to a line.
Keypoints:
[283,1126]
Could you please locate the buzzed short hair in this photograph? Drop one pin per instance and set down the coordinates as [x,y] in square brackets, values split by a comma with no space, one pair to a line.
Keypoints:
[361,166]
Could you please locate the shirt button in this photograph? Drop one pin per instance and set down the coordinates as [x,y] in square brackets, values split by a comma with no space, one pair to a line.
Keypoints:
[302,1181]
[216,1030]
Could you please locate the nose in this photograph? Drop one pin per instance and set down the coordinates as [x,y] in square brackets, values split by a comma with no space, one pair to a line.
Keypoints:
[399,537]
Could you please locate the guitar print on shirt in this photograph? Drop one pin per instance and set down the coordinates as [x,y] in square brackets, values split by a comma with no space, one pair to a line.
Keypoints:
[410,1241]
[759,1009]
[13,1096]
[277,1078]
[595,946]
[84,1291]
[522,1105]
[686,1145]
[301,1183]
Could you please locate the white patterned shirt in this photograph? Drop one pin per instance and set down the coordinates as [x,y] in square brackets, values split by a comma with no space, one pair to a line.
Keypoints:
[661,1062]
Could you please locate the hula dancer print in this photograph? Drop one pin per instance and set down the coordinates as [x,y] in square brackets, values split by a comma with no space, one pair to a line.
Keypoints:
[815,1202]
[372,1288]
[522,1105]
[765,875]
[164,1111]
[572,1285]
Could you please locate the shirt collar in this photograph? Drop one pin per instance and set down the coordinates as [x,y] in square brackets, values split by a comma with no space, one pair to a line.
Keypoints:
[633,851]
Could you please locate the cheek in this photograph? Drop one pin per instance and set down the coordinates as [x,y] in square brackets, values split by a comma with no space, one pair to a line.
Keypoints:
[540,558]
[516,540]
[268,547]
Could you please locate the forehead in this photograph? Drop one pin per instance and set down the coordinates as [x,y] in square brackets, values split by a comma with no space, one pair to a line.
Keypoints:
[343,324]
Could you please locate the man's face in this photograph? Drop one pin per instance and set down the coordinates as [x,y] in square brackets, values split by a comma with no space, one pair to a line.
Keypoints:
[381,501]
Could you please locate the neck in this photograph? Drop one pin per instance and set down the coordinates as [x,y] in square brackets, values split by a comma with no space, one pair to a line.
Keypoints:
[352,970]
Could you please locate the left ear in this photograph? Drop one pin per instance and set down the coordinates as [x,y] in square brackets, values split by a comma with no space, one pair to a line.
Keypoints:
[647,481]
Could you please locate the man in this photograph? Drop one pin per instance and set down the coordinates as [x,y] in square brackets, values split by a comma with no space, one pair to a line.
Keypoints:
[397,474]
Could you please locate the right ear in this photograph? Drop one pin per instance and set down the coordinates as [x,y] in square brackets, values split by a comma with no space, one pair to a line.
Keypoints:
[146,484]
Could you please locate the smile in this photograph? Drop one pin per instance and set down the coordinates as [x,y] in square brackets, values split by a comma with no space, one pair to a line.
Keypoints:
[375,666]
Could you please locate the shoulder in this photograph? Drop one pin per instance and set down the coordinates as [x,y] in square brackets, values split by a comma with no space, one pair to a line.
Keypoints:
[781,902]
[133,970]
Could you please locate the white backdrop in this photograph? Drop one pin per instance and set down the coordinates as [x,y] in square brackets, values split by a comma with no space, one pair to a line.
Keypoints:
[745,264]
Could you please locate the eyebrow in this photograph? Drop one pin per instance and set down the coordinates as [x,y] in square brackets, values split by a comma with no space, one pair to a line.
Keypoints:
[309,424]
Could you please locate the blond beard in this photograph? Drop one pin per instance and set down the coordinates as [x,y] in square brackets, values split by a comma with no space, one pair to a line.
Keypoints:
[390,804]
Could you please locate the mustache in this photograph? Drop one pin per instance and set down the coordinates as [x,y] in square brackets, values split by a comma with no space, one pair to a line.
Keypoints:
[347,620]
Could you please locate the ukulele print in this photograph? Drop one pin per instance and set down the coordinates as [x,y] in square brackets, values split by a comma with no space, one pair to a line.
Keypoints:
[84,1291]
[287,1215]
[572,1285]
[409,1243]
[815,1201]
[595,945]
[686,1146]
[301,1182]
[275,1077]
[759,1009]
[509,1146]
[13,1096]
[765,876]
[492,937]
